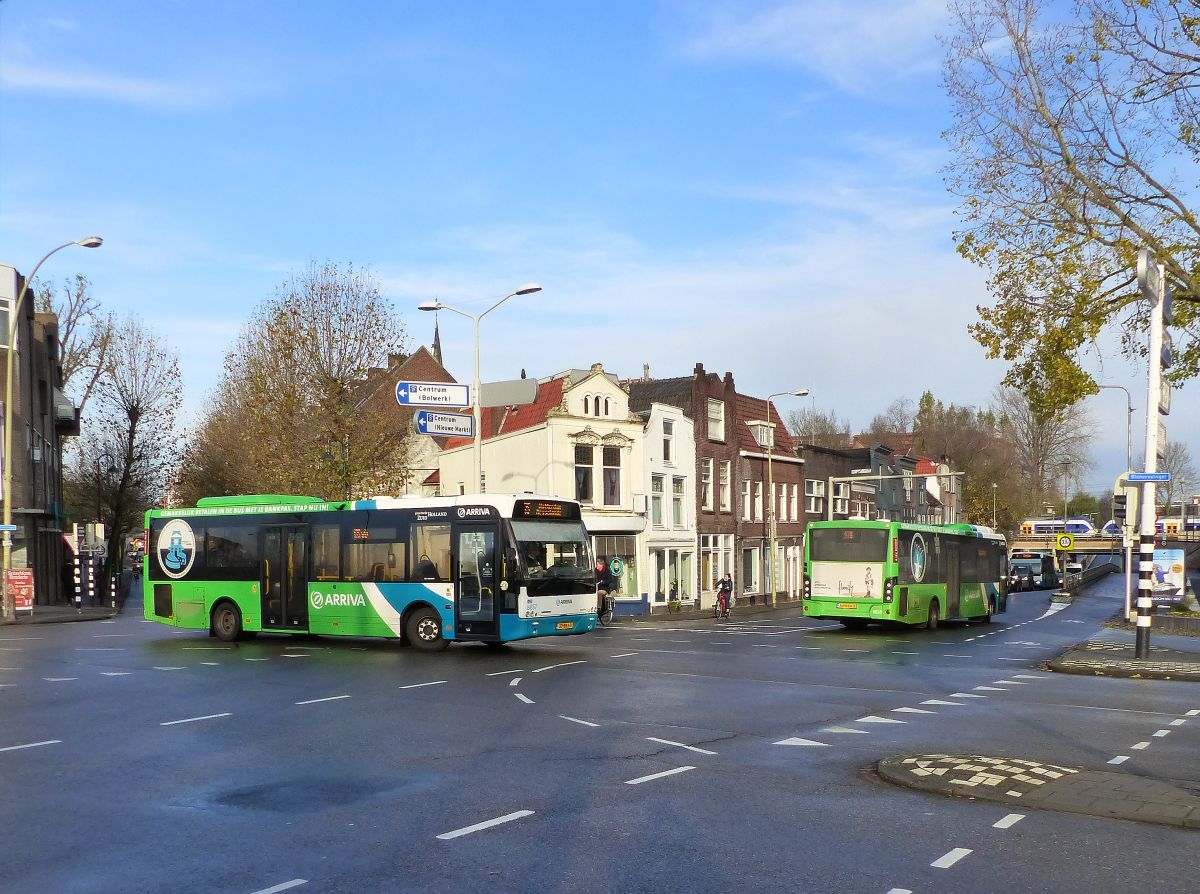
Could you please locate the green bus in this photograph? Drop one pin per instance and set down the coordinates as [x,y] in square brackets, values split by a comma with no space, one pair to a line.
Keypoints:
[863,572]
[426,570]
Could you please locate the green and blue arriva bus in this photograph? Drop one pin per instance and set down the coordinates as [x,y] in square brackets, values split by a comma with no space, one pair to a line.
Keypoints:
[427,570]
[862,572]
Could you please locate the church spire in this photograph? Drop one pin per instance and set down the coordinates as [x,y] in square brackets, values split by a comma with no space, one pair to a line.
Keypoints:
[437,340]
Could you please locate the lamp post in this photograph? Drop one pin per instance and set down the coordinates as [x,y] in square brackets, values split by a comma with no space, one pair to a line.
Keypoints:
[1128,424]
[9,610]
[771,520]
[527,289]
[993,505]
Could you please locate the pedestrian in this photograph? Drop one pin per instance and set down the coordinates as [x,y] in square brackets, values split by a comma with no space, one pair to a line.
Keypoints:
[604,584]
[724,595]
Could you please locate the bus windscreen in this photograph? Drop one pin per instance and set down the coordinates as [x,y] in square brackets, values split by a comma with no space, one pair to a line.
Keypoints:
[556,556]
[848,544]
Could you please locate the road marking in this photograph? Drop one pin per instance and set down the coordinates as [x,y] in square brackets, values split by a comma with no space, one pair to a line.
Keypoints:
[419,685]
[17,639]
[1013,659]
[32,745]
[844,729]
[1161,733]
[211,663]
[58,679]
[1180,722]
[989,689]
[1141,745]
[855,650]
[115,673]
[798,741]
[682,745]
[564,664]
[965,695]
[207,648]
[872,718]
[1029,676]
[947,860]
[486,824]
[1009,821]
[957,656]
[1195,712]
[256,659]
[899,891]
[294,656]
[313,701]
[938,701]
[906,653]
[502,673]
[99,648]
[912,711]
[111,634]
[1119,759]
[194,719]
[642,779]
[1011,682]
[577,720]
[515,681]
[623,655]
[157,668]
[524,698]
[275,889]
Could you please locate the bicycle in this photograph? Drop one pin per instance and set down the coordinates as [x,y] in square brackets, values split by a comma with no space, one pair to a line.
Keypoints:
[723,605]
[605,615]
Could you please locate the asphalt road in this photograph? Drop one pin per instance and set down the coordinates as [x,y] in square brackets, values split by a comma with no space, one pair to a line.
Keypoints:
[698,756]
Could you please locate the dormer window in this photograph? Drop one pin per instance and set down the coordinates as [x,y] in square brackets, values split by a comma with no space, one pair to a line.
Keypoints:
[762,433]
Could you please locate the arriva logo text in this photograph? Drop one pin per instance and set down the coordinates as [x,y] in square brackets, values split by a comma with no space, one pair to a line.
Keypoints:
[321,600]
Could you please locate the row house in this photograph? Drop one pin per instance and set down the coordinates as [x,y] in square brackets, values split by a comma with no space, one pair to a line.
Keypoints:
[883,484]
[43,417]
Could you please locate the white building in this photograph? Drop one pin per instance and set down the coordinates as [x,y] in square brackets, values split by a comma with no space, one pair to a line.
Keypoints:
[669,482]
[578,440]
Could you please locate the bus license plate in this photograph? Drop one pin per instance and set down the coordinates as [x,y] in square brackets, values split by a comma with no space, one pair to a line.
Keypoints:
[847,605]
[565,625]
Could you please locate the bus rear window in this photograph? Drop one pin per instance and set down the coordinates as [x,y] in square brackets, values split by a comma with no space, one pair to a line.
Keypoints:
[848,544]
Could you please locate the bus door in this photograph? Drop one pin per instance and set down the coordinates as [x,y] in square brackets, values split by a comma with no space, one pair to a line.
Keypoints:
[475,571]
[284,573]
[953,578]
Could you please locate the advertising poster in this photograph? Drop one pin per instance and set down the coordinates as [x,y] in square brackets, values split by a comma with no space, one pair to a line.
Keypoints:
[20,584]
[1167,582]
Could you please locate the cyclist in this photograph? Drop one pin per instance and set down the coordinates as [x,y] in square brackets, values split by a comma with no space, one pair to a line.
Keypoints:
[604,584]
[724,596]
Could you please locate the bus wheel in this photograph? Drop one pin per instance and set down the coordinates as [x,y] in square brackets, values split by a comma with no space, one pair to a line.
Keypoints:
[932,622]
[227,622]
[424,629]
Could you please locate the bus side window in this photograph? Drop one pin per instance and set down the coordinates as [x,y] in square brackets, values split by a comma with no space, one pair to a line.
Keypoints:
[327,548]
[430,546]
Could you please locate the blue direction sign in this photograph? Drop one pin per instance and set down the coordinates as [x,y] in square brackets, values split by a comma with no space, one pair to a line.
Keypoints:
[432,394]
[454,424]
[1148,476]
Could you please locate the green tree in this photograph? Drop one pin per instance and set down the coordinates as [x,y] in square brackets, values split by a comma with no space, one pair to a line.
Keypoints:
[1071,147]
[297,408]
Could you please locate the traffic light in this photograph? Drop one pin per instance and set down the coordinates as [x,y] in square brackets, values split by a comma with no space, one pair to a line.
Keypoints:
[1118,508]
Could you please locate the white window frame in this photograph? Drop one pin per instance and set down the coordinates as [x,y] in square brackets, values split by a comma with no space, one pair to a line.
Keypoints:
[814,496]
[668,442]
[795,502]
[678,502]
[716,420]
[706,483]
[758,500]
[724,473]
[841,498]
[656,500]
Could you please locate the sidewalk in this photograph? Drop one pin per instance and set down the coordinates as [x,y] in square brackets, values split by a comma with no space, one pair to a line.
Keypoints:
[1047,786]
[740,612]
[1111,654]
[59,614]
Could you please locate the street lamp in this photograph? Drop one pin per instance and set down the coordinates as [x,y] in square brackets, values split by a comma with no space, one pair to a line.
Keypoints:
[1128,424]
[799,392]
[527,289]
[9,610]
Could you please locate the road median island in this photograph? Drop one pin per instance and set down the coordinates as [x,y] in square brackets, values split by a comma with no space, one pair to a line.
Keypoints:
[1045,786]
[1103,658]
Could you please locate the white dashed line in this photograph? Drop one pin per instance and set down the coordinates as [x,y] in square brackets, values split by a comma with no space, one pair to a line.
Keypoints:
[796,740]
[564,664]
[32,745]
[194,719]
[486,824]
[1195,712]
[989,689]
[1180,722]
[1161,733]
[872,718]
[844,729]
[681,745]
[419,685]
[965,695]
[912,711]
[502,673]
[115,673]
[938,701]
[642,779]
[157,668]
[524,698]
[1009,821]
[623,655]
[577,720]
[1119,759]
[899,891]
[1141,746]
[313,701]
[58,679]
[284,886]
[515,681]
[947,860]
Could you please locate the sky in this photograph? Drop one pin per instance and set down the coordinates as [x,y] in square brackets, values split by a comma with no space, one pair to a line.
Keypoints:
[756,186]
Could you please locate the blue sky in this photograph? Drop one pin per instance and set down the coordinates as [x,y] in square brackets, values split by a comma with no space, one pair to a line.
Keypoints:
[752,185]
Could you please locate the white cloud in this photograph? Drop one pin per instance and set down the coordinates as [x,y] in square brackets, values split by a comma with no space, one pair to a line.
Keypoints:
[80,82]
[857,47]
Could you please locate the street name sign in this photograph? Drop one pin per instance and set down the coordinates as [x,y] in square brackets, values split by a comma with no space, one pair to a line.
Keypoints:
[453,424]
[1148,476]
[433,394]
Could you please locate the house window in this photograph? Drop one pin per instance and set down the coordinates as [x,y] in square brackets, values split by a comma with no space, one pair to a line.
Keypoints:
[762,433]
[781,505]
[677,502]
[612,476]
[605,406]
[706,472]
[841,498]
[716,420]
[758,501]
[749,570]
[723,482]
[583,473]
[795,503]
[814,496]
[746,499]
[656,500]
[668,439]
